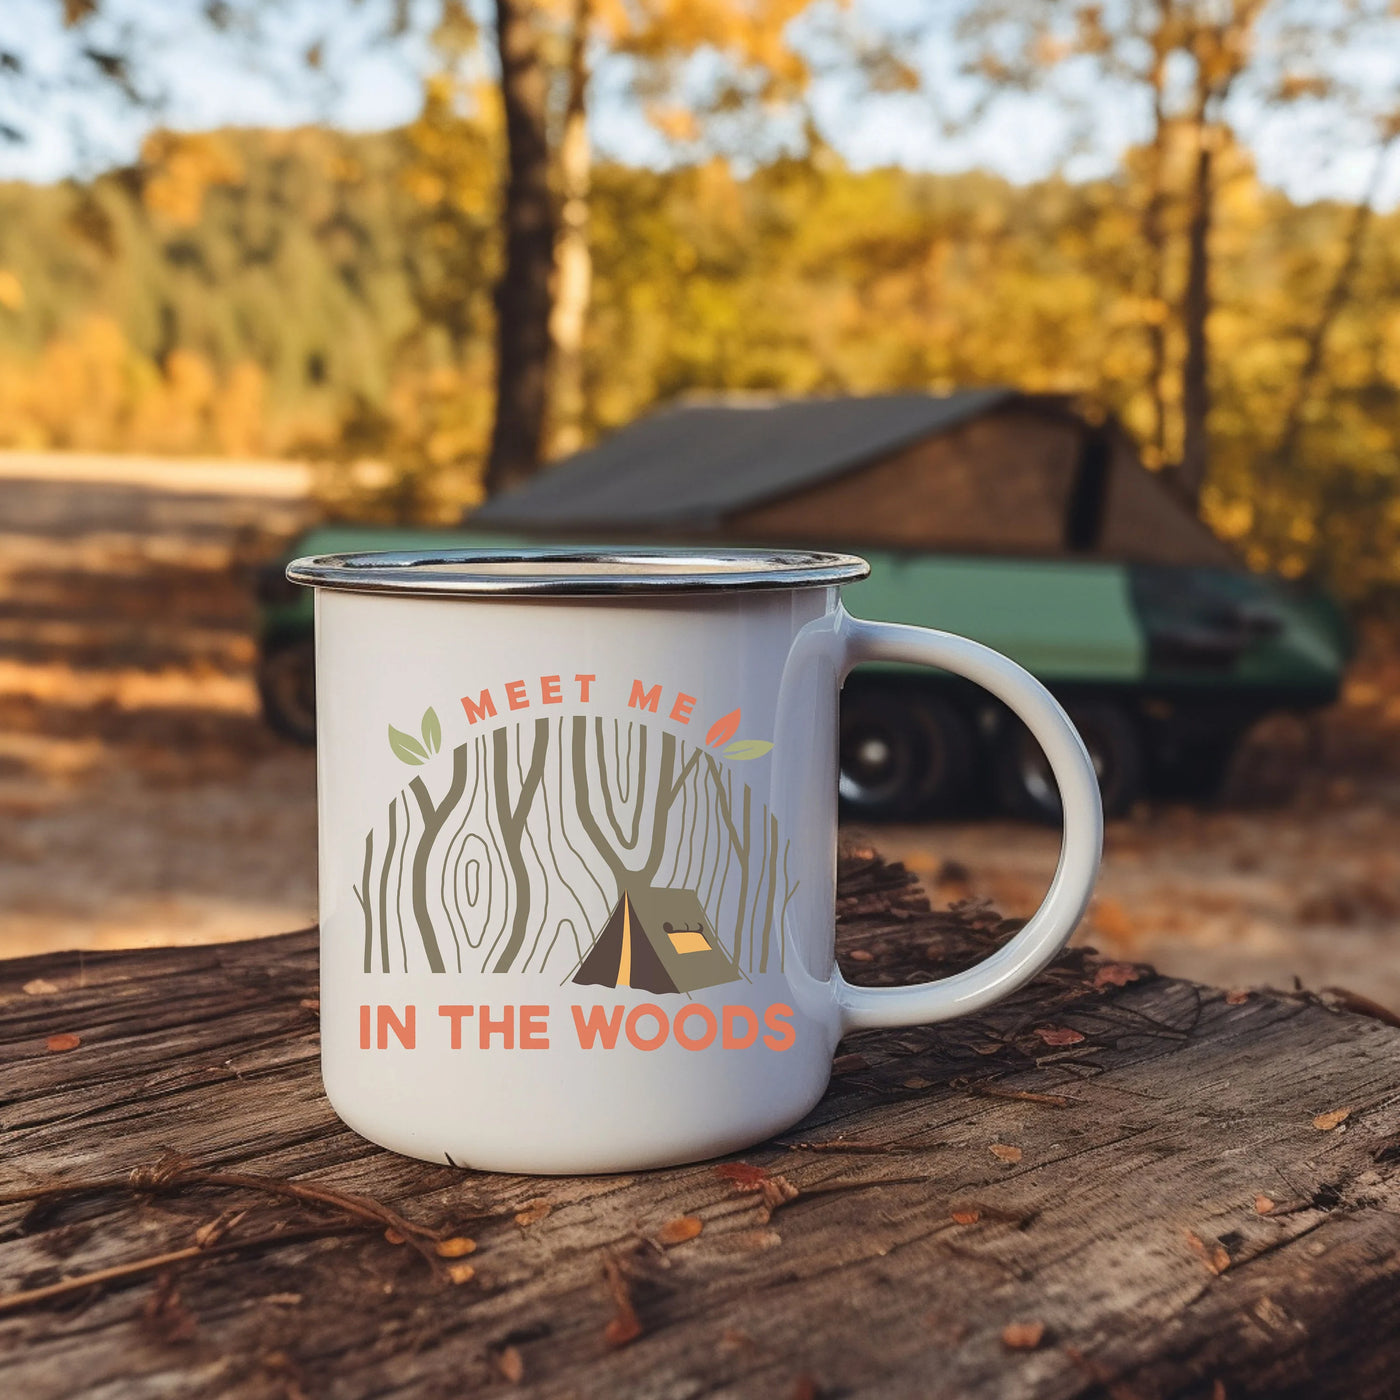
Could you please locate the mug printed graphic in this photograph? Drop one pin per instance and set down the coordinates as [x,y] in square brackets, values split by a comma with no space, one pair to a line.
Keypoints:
[602,851]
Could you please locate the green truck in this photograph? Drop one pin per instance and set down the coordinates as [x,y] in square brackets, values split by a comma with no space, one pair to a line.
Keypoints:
[1009,518]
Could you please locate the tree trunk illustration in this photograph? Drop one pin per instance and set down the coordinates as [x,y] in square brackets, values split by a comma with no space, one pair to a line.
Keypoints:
[512,823]
[434,818]
[772,890]
[740,847]
[493,864]
[362,894]
[384,885]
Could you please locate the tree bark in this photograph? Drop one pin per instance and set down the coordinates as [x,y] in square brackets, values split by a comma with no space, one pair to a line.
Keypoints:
[573,264]
[1195,315]
[523,292]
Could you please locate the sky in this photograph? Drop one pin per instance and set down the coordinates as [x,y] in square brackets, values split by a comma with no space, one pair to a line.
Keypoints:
[201,80]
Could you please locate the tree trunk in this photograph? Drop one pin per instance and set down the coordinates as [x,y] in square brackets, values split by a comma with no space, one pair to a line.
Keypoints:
[1221,52]
[573,264]
[1338,294]
[434,817]
[512,823]
[1154,236]
[1195,315]
[523,293]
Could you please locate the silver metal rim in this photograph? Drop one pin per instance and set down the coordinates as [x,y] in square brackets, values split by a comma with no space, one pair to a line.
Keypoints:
[574,572]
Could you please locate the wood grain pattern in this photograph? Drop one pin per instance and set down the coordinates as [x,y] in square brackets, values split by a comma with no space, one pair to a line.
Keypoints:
[1129,1227]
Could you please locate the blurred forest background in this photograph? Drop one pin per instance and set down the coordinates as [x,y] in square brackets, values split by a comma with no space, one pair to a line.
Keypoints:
[321,294]
[423,247]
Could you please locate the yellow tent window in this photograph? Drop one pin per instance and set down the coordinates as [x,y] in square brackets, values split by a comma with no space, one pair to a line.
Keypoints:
[688,940]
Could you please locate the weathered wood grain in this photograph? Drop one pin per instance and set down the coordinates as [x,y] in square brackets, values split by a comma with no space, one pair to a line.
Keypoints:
[1128,1227]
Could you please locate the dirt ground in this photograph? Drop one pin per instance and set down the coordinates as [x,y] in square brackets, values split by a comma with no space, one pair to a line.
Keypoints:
[142,800]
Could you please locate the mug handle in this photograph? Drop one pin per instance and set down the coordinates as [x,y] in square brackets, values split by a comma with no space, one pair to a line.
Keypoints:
[1050,927]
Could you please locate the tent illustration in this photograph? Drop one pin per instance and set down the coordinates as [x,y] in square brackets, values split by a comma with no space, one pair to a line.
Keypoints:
[658,941]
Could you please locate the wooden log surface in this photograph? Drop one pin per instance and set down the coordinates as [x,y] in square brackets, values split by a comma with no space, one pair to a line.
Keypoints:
[1114,1184]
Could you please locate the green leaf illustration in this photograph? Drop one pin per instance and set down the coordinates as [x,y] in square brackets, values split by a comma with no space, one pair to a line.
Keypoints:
[406,747]
[747,748]
[432,730]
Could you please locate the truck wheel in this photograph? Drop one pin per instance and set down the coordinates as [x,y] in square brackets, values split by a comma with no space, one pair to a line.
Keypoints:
[1198,772]
[902,755]
[287,687]
[1026,788]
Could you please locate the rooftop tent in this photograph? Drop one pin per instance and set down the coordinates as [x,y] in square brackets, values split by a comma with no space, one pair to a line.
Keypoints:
[982,471]
[657,940]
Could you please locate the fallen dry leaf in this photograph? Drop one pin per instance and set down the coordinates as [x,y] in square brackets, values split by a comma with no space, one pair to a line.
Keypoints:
[624,1326]
[532,1212]
[283,1300]
[622,1329]
[461,1272]
[1023,1336]
[861,955]
[848,1064]
[742,1174]
[679,1230]
[917,1081]
[1236,996]
[39,987]
[310,1003]
[65,1040]
[455,1247]
[511,1364]
[1004,1152]
[1327,1121]
[776,1190]
[1263,1205]
[1059,1035]
[1116,974]
[966,1217]
[393,1236]
[1213,1255]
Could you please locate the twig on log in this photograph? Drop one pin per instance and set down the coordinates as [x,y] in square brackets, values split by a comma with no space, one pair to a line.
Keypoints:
[853,1146]
[172,1172]
[152,1263]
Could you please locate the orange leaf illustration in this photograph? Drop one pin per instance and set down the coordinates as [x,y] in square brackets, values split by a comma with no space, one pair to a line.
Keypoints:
[723,729]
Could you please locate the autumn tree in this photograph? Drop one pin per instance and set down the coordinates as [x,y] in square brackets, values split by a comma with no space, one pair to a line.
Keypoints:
[1185,61]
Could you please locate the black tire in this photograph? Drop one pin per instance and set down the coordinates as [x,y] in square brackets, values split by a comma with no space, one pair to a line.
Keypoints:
[1022,779]
[287,688]
[1197,772]
[902,755]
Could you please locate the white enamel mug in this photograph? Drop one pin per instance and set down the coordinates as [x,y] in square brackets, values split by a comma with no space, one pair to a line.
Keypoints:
[577,844]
